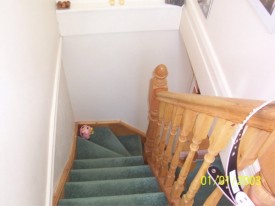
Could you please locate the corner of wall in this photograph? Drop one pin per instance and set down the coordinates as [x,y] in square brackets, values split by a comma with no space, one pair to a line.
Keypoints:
[61,129]
[204,60]
[52,129]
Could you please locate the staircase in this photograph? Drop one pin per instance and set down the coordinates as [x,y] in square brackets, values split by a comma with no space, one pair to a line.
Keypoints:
[110,170]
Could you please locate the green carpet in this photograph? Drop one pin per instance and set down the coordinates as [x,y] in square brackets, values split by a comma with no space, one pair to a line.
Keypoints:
[91,150]
[132,143]
[110,171]
[105,137]
[111,187]
[148,199]
[108,162]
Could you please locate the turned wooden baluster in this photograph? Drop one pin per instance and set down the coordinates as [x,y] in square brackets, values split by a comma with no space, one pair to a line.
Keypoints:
[158,133]
[219,139]
[252,141]
[176,120]
[214,198]
[187,125]
[264,192]
[201,129]
[157,84]
[168,112]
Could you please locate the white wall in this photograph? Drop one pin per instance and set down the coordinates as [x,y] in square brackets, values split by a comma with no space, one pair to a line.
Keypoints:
[28,49]
[232,52]
[108,74]
[64,130]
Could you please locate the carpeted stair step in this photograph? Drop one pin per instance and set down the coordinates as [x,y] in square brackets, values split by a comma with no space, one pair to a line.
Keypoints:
[146,199]
[110,173]
[111,187]
[132,143]
[106,138]
[88,150]
[108,162]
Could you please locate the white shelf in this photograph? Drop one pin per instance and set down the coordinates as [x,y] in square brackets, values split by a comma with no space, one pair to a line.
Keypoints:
[92,17]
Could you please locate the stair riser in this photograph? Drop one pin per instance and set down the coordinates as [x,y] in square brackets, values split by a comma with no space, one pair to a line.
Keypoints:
[132,143]
[108,162]
[111,188]
[106,138]
[110,173]
[90,150]
[149,199]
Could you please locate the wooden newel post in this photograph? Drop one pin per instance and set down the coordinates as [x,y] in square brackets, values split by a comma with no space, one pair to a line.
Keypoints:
[157,84]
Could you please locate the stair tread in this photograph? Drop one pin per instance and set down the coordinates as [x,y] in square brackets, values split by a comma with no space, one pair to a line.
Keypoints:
[151,199]
[111,187]
[88,150]
[108,162]
[110,173]
[132,143]
[106,138]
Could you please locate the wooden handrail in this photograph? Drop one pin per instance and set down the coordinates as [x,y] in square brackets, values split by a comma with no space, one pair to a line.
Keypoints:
[185,120]
[231,109]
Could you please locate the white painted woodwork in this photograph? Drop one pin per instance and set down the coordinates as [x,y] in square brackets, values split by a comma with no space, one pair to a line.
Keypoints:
[64,130]
[93,17]
[232,52]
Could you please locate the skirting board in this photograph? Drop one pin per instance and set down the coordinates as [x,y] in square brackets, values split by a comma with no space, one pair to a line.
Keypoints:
[64,177]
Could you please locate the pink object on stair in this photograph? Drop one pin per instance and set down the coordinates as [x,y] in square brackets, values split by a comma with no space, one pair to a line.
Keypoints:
[85,131]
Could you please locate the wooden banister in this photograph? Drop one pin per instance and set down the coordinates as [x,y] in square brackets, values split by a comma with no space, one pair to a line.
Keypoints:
[214,198]
[162,144]
[177,116]
[248,153]
[187,125]
[158,139]
[201,129]
[157,84]
[218,140]
[181,119]
[232,109]
[267,161]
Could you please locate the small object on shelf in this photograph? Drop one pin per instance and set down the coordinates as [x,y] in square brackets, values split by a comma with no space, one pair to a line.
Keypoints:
[112,2]
[63,4]
[121,2]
